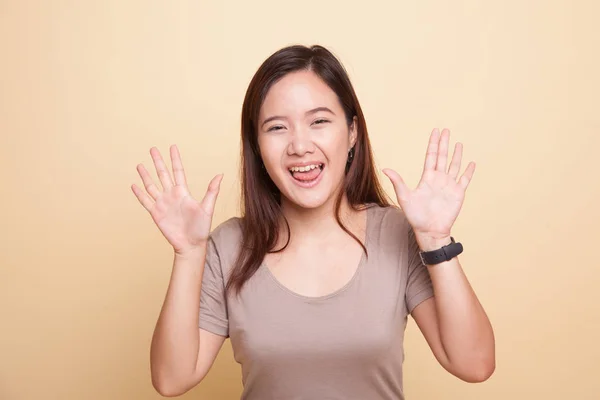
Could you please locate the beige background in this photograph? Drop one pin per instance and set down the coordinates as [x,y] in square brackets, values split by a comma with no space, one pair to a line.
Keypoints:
[87,87]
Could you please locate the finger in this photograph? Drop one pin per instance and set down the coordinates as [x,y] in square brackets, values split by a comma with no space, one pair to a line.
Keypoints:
[442,157]
[148,182]
[143,198]
[161,169]
[432,150]
[466,177]
[402,191]
[178,171]
[210,198]
[456,160]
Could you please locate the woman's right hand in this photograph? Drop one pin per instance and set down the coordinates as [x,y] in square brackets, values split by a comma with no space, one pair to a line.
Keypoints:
[183,221]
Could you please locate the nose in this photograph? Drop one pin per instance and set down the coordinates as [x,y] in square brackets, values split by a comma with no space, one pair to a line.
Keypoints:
[300,143]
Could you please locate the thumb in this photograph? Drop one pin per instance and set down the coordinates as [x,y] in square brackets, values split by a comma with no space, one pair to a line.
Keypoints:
[402,191]
[208,203]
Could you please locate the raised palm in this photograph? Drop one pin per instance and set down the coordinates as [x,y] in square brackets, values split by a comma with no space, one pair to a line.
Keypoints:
[432,208]
[183,221]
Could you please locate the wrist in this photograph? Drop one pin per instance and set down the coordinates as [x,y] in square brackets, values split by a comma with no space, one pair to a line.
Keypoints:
[191,253]
[432,242]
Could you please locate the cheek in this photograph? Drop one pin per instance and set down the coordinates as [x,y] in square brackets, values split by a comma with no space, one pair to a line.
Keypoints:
[336,147]
[271,151]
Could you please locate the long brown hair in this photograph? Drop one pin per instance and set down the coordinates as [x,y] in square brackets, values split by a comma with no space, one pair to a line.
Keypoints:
[261,199]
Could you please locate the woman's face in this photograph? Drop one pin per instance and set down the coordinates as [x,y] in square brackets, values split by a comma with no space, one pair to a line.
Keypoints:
[304,139]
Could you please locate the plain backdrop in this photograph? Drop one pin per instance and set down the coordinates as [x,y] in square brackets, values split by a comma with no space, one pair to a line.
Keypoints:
[87,87]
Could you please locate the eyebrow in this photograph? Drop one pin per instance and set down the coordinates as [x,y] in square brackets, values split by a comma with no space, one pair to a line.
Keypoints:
[314,110]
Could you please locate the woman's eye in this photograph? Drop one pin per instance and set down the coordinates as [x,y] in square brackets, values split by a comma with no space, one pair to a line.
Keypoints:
[321,121]
[275,128]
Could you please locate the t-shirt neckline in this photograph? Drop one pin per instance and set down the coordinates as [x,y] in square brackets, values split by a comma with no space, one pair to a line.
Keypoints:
[342,289]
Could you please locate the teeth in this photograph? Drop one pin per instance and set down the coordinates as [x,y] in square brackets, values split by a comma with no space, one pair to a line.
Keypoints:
[304,169]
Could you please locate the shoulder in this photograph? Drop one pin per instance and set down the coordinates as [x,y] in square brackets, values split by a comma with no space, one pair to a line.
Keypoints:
[388,227]
[388,218]
[229,230]
[225,241]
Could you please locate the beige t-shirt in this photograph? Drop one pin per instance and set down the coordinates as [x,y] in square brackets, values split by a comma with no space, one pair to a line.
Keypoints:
[345,345]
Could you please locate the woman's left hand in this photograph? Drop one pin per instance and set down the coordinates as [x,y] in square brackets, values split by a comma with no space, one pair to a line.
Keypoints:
[434,205]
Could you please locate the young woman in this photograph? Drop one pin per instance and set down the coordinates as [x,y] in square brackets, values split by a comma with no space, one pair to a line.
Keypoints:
[314,283]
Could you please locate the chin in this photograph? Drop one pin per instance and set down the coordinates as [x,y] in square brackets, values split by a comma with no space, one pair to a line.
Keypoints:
[311,196]
[306,202]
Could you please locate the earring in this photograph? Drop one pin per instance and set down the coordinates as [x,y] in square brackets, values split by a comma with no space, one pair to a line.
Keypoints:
[350,155]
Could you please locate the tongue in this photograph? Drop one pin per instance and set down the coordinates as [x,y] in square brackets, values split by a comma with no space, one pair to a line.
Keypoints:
[308,175]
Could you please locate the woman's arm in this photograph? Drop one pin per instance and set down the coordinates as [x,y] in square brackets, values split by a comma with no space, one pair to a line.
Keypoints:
[182,354]
[455,324]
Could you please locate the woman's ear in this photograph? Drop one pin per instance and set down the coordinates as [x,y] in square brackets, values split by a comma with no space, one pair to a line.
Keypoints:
[353,131]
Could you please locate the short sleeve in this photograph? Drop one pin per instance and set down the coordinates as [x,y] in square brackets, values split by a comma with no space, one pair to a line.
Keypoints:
[418,287]
[213,305]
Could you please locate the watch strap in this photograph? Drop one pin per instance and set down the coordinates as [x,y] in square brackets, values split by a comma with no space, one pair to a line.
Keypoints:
[445,253]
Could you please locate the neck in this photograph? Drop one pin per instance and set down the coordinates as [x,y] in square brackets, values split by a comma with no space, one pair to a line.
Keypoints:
[316,224]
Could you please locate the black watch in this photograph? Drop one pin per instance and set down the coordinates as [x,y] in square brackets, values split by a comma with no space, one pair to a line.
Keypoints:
[440,255]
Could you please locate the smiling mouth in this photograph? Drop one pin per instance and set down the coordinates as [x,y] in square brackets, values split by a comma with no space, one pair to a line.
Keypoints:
[307,174]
